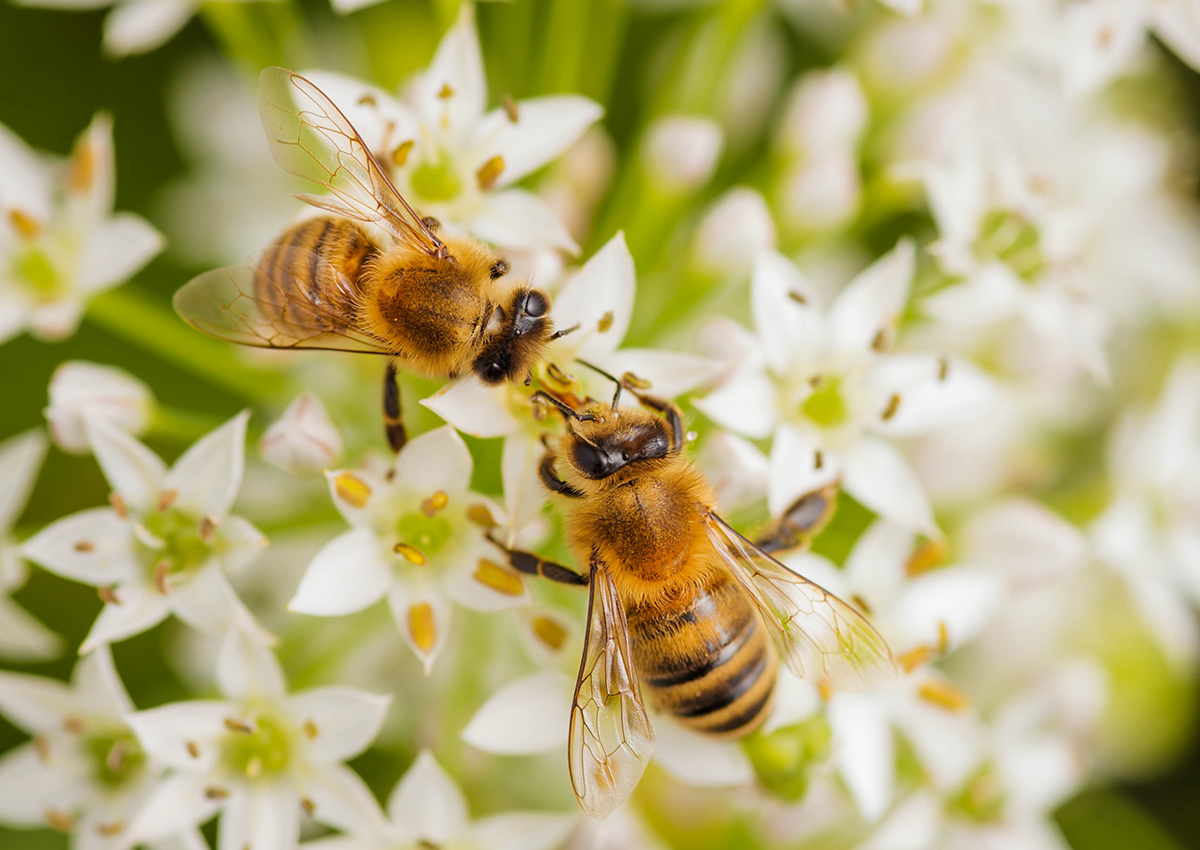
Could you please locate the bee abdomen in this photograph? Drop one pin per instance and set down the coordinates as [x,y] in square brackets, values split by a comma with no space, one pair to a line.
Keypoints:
[318,261]
[706,661]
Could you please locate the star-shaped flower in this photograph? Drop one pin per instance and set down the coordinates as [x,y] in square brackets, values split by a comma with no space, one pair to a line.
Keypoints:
[417,539]
[261,756]
[452,160]
[166,541]
[84,772]
[825,388]
[60,242]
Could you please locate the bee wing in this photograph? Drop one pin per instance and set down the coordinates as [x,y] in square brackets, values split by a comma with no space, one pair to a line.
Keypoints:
[311,138]
[246,305]
[611,736]
[820,637]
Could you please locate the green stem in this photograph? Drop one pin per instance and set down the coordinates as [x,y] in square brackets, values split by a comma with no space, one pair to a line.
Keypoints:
[185,426]
[254,35]
[567,42]
[129,314]
[605,37]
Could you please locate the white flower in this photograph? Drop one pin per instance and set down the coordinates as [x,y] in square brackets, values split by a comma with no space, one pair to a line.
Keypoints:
[60,242]
[261,757]
[597,304]
[826,390]
[21,636]
[735,230]
[679,153]
[417,539]
[303,440]
[166,542]
[84,772]
[427,809]
[453,161]
[80,391]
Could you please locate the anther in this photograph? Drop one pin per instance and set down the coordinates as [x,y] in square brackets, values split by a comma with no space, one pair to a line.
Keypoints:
[634,382]
[421,626]
[254,767]
[108,594]
[549,632]
[110,829]
[490,172]
[41,746]
[162,576]
[167,499]
[85,546]
[208,525]
[797,297]
[410,553]
[914,658]
[481,516]
[193,749]
[511,109]
[74,725]
[879,343]
[818,459]
[118,505]
[400,154]
[605,323]
[861,604]
[115,759]
[233,724]
[310,729]
[25,224]
[352,489]
[943,695]
[892,406]
[215,792]
[308,806]
[59,820]
[943,368]
[435,503]
[445,91]
[498,578]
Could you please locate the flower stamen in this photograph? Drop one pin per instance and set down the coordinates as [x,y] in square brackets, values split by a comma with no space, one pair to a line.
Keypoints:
[410,553]
[108,594]
[435,503]
[352,489]
[167,499]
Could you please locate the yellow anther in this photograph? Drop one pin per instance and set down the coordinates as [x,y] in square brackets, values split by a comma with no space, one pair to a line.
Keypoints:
[435,503]
[481,516]
[367,99]
[511,109]
[943,695]
[410,553]
[605,323]
[421,626]
[85,546]
[59,820]
[41,746]
[310,729]
[400,154]
[490,172]
[352,489]
[825,691]
[559,381]
[110,829]
[214,792]
[193,749]
[233,724]
[925,557]
[914,658]
[880,342]
[445,91]
[860,604]
[25,224]
[254,767]
[308,806]
[82,169]
[499,578]
[74,725]
[798,297]
[549,632]
[943,638]
[892,406]
[632,380]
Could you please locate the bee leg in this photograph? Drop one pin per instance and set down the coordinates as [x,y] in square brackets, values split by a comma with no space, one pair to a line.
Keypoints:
[670,410]
[801,522]
[531,564]
[553,483]
[393,424]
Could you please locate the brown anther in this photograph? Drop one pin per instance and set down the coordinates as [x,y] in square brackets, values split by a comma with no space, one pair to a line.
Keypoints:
[308,806]
[914,658]
[549,632]
[115,759]
[818,459]
[880,342]
[511,109]
[85,546]
[73,724]
[233,724]
[310,729]
[435,503]
[400,154]
[927,555]
[798,297]
[367,99]
[215,792]
[208,526]
[631,380]
[110,829]
[481,516]
[41,746]
[605,323]
[193,749]
[108,594]
[410,553]
[892,406]
[162,576]
[943,368]
[943,695]
[445,91]
[25,224]
[59,820]
[814,381]
[861,604]
[490,172]
[118,505]
[166,499]
[1105,37]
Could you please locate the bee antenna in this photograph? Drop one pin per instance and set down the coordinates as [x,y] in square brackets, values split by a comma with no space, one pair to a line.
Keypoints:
[595,368]
[563,408]
[564,331]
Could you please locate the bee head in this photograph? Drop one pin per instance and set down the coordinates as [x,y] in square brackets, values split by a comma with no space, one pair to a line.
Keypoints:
[613,439]
[517,335]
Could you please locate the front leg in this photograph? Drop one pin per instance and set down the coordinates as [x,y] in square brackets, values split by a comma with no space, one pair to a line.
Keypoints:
[804,520]
[553,483]
[393,423]
[531,564]
[669,409]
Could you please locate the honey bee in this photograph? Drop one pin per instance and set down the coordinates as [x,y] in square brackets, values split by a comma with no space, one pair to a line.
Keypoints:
[439,306]
[677,598]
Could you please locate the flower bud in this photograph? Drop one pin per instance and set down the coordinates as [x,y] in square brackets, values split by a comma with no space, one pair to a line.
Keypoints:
[681,152]
[826,114]
[80,390]
[821,193]
[303,440]
[733,232]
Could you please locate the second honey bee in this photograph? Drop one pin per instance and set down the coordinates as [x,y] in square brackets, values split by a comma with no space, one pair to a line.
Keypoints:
[438,306]
[677,598]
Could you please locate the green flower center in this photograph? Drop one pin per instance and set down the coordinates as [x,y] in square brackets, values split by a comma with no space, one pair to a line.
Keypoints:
[782,759]
[184,549]
[826,406]
[1007,236]
[427,533]
[116,759]
[436,182]
[982,799]
[259,748]
[35,268]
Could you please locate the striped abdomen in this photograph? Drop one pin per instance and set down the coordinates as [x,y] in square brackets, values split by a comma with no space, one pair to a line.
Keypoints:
[704,658]
[317,261]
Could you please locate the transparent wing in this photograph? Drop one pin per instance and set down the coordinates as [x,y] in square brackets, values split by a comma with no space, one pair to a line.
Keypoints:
[820,637]
[264,305]
[311,138]
[611,736]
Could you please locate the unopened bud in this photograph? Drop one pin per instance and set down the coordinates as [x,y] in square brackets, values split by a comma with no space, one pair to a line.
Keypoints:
[303,440]
[826,114]
[80,390]
[734,231]
[681,152]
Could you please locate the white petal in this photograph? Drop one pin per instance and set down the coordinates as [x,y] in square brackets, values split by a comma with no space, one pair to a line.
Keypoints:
[599,295]
[106,555]
[55,320]
[261,815]
[785,312]
[166,732]
[735,468]
[436,460]
[382,121]
[957,602]
[34,703]
[1030,542]
[989,295]
[26,182]
[912,825]
[20,459]
[873,301]
[875,566]
[475,408]
[515,218]
[141,607]
[80,390]
[207,476]
[341,799]
[524,492]
[346,719]
[734,232]
[933,392]
[248,669]
[237,543]
[348,574]
[142,25]
[795,701]
[423,615]
[876,474]
[29,788]
[303,440]
[745,403]
[524,717]
[458,65]
[116,249]
[134,472]
[679,153]
[22,638]
[826,113]
[821,193]
[1100,38]
[427,804]
[97,685]
[206,601]
[698,760]
[1177,23]
[864,752]
[523,831]
[799,465]
[545,127]
[670,373]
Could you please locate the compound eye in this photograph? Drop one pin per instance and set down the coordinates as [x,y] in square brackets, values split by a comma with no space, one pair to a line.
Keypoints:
[492,373]
[590,461]
[536,304]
